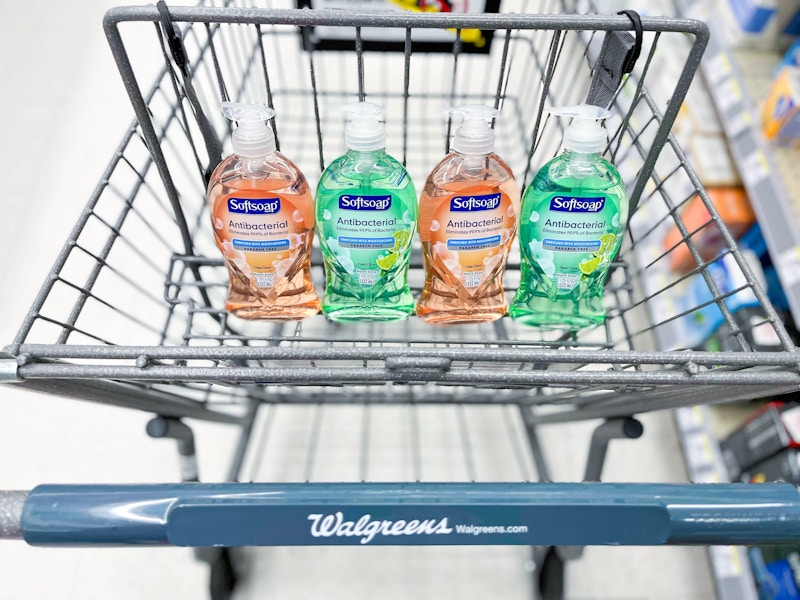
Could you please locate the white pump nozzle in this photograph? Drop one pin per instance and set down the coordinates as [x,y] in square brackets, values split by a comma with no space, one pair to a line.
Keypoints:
[474,136]
[365,129]
[585,134]
[252,137]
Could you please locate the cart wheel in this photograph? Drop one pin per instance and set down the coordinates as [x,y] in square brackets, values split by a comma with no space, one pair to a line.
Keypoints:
[551,576]
[223,576]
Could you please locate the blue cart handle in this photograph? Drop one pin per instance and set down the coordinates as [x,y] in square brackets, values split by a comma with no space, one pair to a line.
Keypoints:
[312,514]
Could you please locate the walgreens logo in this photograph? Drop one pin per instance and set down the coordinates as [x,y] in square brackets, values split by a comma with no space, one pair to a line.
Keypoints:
[584,205]
[266,206]
[473,203]
[365,202]
[335,525]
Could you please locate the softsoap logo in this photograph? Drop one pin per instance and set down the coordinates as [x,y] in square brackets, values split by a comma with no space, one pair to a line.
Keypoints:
[334,525]
[472,203]
[365,202]
[266,206]
[584,205]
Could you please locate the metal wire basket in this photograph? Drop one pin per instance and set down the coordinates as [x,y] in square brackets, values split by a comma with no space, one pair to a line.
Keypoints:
[133,314]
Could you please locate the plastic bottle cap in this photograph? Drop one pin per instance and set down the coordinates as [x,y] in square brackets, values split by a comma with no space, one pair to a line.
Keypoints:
[585,134]
[252,137]
[474,136]
[365,129]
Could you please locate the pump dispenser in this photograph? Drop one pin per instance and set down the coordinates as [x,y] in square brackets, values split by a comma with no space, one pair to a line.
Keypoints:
[468,219]
[252,138]
[262,215]
[574,214]
[586,134]
[366,211]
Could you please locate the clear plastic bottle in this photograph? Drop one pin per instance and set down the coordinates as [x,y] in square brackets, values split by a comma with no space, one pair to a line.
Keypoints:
[366,211]
[262,215]
[467,222]
[573,216]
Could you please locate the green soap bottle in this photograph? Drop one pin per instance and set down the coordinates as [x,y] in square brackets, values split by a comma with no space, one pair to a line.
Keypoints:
[366,217]
[571,224]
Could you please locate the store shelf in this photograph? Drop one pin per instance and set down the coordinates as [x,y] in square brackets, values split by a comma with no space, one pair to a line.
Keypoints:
[737,79]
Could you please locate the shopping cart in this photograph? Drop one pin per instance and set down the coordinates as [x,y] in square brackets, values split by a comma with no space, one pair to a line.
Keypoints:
[132,313]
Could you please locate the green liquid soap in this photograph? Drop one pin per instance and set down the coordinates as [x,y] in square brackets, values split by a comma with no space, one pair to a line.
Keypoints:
[572,221]
[366,216]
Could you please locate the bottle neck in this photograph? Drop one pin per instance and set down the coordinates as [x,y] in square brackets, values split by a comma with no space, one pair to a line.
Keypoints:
[575,156]
[365,154]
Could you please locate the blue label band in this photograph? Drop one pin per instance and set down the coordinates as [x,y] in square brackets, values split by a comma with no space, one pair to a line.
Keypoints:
[365,243]
[473,203]
[263,206]
[474,244]
[578,204]
[347,202]
[260,245]
[571,245]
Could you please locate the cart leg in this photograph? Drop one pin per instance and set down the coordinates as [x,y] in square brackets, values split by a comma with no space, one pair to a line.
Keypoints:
[175,429]
[613,429]
[222,575]
[548,563]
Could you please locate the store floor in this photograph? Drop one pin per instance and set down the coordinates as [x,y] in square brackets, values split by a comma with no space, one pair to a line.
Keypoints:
[62,113]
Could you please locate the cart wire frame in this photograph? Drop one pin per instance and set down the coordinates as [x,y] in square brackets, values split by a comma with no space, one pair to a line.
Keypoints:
[132,313]
[149,211]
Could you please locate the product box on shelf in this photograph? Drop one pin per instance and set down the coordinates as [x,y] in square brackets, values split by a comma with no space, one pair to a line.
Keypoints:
[770,430]
[792,56]
[761,24]
[776,570]
[780,115]
[735,211]
[784,466]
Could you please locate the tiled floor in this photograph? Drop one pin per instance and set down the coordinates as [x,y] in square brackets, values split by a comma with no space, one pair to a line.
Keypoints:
[62,112]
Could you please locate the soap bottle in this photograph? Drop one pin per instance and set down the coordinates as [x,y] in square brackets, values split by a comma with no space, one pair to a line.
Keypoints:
[573,216]
[366,211]
[467,222]
[262,215]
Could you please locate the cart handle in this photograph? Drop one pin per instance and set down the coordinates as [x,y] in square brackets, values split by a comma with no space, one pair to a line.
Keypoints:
[311,514]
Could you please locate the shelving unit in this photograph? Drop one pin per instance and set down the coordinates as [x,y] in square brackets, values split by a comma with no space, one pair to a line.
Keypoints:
[736,80]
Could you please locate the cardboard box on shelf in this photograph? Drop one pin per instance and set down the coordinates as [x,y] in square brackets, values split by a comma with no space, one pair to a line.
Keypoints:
[733,208]
[780,115]
[712,161]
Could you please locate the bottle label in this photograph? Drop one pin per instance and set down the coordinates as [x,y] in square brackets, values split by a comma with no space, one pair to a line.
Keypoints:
[367,234]
[469,235]
[262,236]
[570,237]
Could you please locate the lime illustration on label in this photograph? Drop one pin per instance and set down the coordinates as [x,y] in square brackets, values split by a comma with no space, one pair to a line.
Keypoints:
[264,237]
[366,234]
[469,235]
[571,237]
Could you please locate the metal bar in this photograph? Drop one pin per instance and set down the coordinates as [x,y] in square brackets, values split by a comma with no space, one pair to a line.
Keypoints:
[406,84]
[146,124]
[243,442]
[409,514]
[499,354]
[360,63]
[542,470]
[758,379]
[129,396]
[11,506]
[404,19]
